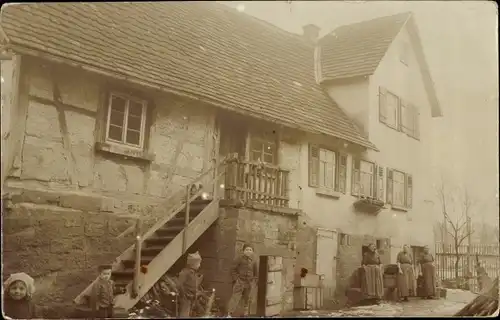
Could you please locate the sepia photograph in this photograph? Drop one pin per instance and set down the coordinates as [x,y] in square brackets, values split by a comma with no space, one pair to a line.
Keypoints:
[236,159]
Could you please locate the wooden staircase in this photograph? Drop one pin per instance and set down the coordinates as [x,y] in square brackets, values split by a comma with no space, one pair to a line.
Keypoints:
[139,267]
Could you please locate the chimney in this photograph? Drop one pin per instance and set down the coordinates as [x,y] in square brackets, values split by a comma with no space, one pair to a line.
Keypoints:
[311,32]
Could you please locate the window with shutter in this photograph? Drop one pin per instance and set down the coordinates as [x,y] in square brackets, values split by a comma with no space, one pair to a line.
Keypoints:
[367,177]
[313,165]
[342,173]
[405,117]
[389,186]
[409,190]
[391,107]
[398,188]
[355,181]
[380,184]
[382,105]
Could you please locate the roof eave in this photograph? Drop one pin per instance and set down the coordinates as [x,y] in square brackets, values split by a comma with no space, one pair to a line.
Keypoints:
[23,50]
[436,110]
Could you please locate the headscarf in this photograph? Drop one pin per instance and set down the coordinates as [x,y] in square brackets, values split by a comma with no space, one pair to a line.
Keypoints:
[25,278]
[193,259]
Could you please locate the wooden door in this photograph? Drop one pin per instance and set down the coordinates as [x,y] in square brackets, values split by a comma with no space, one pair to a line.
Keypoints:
[326,262]
[270,291]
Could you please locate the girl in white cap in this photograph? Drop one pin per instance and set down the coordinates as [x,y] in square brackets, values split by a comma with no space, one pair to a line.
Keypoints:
[18,291]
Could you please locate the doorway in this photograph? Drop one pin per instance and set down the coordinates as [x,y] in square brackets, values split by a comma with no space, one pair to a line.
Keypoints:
[326,262]
[270,286]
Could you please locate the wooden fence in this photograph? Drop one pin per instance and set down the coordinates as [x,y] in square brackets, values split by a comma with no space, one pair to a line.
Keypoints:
[256,182]
[488,255]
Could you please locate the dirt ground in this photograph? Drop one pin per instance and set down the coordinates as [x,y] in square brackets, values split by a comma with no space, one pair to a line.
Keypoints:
[414,307]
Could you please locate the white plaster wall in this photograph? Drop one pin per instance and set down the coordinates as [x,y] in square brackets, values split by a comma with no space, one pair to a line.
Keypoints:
[399,151]
[353,98]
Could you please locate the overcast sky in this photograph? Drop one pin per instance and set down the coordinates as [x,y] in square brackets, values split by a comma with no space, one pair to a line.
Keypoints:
[460,43]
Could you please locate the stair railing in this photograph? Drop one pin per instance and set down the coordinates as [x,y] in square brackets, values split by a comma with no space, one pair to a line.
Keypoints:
[137,267]
[218,171]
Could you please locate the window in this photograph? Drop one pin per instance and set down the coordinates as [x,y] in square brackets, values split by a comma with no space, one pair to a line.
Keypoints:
[388,108]
[367,179]
[327,169]
[398,114]
[399,188]
[363,178]
[126,121]
[263,148]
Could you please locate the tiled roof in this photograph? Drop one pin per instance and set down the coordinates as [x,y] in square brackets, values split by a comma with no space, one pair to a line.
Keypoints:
[205,49]
[357,49]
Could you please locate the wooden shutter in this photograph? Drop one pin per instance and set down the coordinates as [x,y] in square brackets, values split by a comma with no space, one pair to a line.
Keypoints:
[405,117]
[416,123]
[313,165]
[389,186]
[380,184]
[409,190]
[374,182]
[355,177]
[340,182]
[382,105]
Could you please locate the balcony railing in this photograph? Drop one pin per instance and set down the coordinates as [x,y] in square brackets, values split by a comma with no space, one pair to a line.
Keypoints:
[256,182]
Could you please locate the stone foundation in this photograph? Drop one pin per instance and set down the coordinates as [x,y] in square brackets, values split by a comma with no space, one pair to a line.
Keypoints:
[271,233]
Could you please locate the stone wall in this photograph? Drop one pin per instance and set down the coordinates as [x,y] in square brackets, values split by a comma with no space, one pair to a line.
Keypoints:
[350,257]
[270,233]
[62,139]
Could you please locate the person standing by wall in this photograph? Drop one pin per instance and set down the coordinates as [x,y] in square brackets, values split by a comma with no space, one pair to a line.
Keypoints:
[244,273]
[406,276]
[372,284]
[428,273]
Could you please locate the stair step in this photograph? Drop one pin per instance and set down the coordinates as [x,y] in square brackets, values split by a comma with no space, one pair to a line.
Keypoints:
[152,250]
[131,263]
[163,240]
[169,230]
[129,272]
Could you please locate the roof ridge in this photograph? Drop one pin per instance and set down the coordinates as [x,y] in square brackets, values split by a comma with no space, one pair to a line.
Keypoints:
[262,22]
[376,19]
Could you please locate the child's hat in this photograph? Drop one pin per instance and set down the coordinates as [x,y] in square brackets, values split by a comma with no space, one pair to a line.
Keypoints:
[247,245]
[193,258]
[25,278]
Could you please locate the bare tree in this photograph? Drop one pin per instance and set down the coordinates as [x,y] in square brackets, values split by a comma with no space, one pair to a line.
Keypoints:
[456,209]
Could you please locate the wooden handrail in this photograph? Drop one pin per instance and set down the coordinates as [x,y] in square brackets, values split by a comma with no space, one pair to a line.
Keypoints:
[137,267]
[257,182]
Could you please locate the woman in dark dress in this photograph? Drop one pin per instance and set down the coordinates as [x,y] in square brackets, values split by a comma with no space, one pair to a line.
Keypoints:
[428,273]
[406,276]
[372,284]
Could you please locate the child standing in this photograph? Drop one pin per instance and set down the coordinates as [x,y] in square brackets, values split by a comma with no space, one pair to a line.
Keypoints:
[244,273]
[188,284]
[18,291]
[102,295]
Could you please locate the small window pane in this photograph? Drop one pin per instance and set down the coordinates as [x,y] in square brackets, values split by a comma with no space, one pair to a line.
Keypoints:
[255,156]
[268,158]
[135,108]
[116,118]
[115,133]
[134,122]
[118,104]
[133,137]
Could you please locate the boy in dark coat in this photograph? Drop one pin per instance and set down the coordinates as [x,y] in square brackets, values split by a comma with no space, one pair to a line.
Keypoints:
[102,295]
[244,273]
[18,291]
[188,284]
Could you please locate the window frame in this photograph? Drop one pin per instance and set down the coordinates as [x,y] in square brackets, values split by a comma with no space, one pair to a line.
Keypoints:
[143,130]
[394,189]
[263,140]
[407,186]
[411,113]
[374,178]
[339,169]
[334,169]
